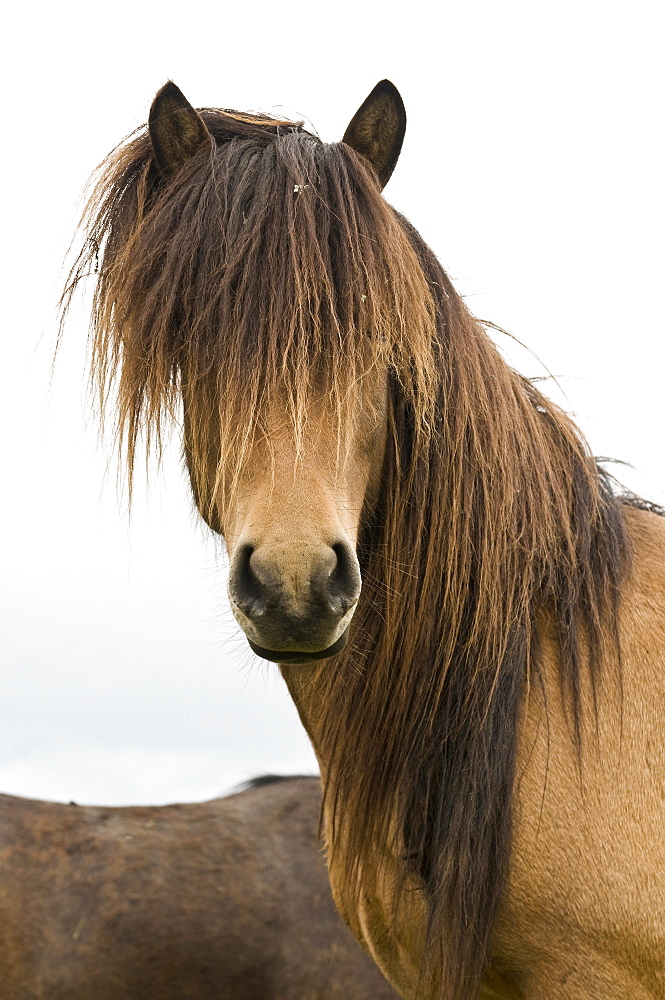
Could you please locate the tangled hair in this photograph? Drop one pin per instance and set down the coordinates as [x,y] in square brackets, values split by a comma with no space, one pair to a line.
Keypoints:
[271,268]
[258,272]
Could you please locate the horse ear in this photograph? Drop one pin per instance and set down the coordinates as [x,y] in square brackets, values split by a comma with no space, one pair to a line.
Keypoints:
[377,129]
[176,130]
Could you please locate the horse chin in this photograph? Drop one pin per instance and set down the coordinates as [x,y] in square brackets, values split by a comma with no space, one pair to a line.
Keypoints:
[300,656]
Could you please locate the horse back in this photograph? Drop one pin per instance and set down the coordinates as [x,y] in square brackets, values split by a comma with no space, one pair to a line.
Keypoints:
[220,900]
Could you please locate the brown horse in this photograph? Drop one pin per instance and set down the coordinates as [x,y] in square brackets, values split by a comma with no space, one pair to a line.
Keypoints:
[488,710]
[220,900]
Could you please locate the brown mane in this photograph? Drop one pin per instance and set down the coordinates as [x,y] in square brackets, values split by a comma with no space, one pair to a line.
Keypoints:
[269,254]
[272,266]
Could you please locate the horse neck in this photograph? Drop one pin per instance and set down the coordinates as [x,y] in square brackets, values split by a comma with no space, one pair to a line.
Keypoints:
[301,681]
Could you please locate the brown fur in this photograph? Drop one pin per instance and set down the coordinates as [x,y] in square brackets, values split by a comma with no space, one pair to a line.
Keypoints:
[270,286]
[220,900]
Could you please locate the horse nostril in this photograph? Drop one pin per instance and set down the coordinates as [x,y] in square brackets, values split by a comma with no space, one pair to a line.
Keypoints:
[322,588]
[343,584]
[245,588]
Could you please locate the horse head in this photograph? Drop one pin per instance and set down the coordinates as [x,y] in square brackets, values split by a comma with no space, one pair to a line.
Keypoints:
[290,510]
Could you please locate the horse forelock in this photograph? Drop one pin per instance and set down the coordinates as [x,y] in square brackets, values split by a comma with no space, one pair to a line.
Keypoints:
[269,267]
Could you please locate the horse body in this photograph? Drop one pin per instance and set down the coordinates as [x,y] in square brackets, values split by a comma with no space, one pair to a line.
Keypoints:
[583,913]
[220,900]
[487,709]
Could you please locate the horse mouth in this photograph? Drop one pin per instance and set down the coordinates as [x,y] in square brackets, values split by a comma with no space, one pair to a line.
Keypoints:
[300,656]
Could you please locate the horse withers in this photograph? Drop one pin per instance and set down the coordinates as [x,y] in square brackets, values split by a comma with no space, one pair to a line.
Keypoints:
[466,610]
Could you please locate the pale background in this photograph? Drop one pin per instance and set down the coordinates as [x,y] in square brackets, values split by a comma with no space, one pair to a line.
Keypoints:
[533,164]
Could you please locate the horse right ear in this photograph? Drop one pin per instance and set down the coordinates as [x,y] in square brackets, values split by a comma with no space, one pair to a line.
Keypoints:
[377,129]
[176,130]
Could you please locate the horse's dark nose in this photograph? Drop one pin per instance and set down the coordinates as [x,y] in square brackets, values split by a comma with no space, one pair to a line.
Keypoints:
[294,596]
[247,590]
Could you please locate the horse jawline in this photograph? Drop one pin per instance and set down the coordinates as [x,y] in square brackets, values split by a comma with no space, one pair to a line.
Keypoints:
[298,656]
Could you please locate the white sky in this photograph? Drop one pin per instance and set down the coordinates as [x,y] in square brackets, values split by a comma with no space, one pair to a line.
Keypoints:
[533,165]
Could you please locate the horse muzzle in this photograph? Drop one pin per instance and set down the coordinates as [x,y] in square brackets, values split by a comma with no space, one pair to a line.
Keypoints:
[294,603]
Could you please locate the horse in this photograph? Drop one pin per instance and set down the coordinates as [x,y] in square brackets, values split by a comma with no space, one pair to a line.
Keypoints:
[465,606]
[220,900]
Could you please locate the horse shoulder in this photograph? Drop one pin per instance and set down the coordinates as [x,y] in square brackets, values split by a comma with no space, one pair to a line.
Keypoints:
[584,911]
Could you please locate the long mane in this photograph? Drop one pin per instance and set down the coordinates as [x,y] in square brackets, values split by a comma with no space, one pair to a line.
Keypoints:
[272,266]
[259,271]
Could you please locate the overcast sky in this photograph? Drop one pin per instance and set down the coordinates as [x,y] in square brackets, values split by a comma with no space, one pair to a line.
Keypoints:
[533,165]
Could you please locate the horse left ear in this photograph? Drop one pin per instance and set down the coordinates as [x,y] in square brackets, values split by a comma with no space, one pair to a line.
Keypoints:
[176,130]
[376,131]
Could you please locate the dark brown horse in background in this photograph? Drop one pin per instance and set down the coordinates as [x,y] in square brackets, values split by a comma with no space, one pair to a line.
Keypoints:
[220,900]
[487,710]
